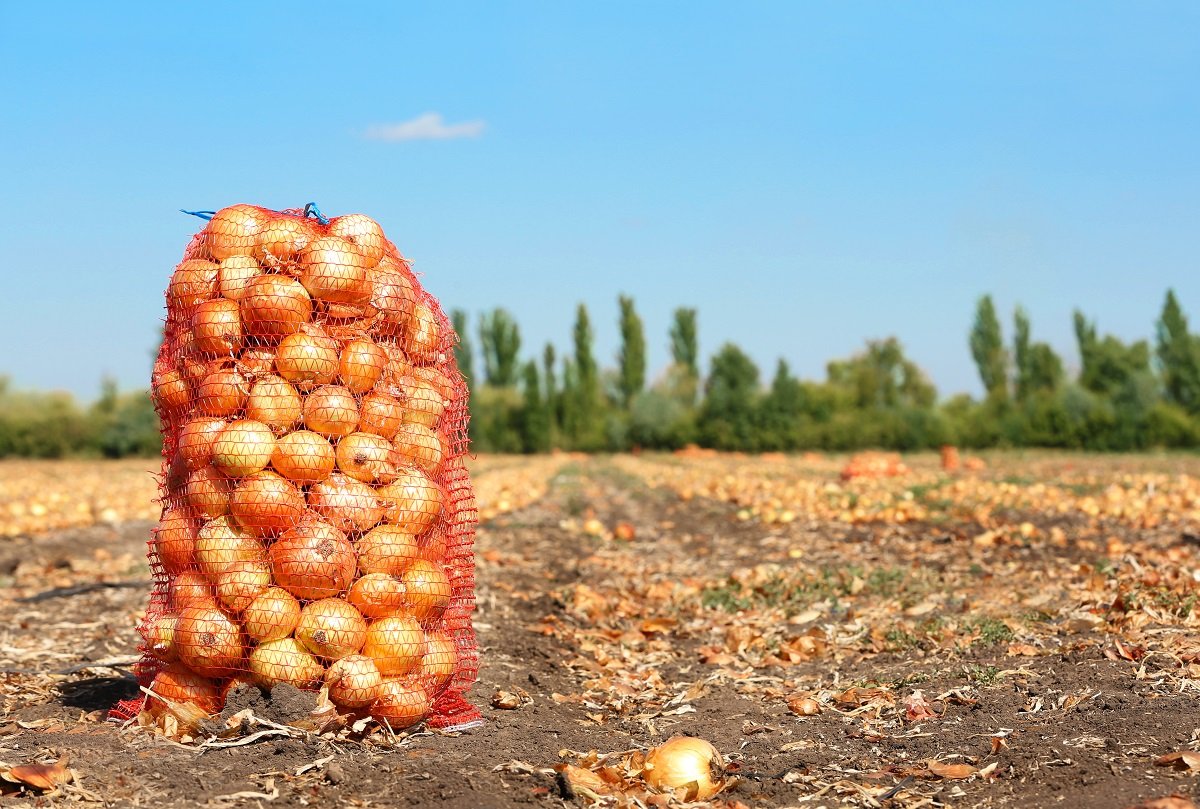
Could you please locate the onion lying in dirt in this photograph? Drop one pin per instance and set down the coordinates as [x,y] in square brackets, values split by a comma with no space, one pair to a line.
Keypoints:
[331,628]
[234,231]
[313,560]
[307,358]
[274,402]
[331,410]
[354,681]
[345,503]
[387,549]
[221,542]
[284,661]
[274,306]
[412,500]
[243,448]
[396,644]
[367,458]
[427,590]
[209,642]
[241,582]
[686,763]
[179,684]
[272,615]
[402,703]
[377,595]
[217,326]
[303,457]
[266,504]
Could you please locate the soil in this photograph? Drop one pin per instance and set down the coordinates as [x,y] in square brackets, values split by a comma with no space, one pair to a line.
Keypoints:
[1098,754]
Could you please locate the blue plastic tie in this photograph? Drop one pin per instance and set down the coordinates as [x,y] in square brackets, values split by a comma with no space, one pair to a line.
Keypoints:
[312,210]
[201,214]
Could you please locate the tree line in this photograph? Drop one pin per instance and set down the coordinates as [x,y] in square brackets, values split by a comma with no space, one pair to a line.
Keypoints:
[1125,396]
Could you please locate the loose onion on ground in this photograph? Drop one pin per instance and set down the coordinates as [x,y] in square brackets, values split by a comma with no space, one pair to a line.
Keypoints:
[284,661]
[331,628]
[686,763]
[354,681]
[313,560]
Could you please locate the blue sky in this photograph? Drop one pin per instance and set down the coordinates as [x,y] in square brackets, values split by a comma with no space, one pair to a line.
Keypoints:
[807,175]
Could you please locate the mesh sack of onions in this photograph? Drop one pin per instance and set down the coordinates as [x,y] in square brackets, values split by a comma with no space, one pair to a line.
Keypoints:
[317,517]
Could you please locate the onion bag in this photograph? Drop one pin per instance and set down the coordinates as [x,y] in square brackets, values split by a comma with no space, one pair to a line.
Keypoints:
[317,516]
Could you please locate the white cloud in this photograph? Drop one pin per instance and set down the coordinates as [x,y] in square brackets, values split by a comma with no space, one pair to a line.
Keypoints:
[430,126]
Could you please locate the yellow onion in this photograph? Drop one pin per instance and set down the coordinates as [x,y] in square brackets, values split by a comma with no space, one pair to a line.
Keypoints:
[331,628]
[361,365]
[241,582]
[159,633]
[387,549]
[364,232]
[256,361]
[423,338]
[434,376]
[417,445]
[392,296]
[402,703]
[272,615]
[313,560]
[284,237]
[193,282]
[244,447]
[209,642]
[427,590]
[217,327]
[234,231]
[331,410]
[345,503]
[222,392]
[412,500]
[266,503]
[234,275]
[439,662]
[381,414]
[367,458]
[396,644]
[377,595]
[423,402]
[171,391]
[307,358]
[353,681]
[303,457]
[180,685]
[333,269]
[687,763]
[284,661]
[175,540]
[189,589]
[274,306]
[221,542]
[207,492]
[196,439]
[274,402]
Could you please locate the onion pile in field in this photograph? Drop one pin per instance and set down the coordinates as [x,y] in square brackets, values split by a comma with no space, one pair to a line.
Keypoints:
[317,515]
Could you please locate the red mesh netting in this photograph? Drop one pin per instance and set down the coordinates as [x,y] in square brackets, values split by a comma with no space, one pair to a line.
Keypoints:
[318,519]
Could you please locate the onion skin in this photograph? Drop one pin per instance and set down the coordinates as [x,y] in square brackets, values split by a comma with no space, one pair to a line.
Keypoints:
[331,410]
[427,590]
[345,503]
[272,615]
[366,458]
[284,661]
[685,762]
[233,231]
[179,684]
[274,402]
[354,681]
[396,644]
[402,703]
[266,503]
[412,500]
[307,359]
[361,365]
[331,628]
[377,595]
[274,306]
[217,325]
[313,560]
[209,642]
[243,448]
[387,549]
[304,457]
[256,362]
[334,270]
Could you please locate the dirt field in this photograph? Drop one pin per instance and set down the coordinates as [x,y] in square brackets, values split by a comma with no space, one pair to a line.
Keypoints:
[1024,634]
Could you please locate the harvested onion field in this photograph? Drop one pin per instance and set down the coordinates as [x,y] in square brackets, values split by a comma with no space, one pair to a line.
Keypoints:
[1023,634]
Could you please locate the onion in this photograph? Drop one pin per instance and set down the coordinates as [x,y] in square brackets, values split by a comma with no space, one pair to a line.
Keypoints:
[256,361]
[217,327]
[189,589]
[439,662]
[193,282]
[361,365]
[243,448]
[221,542]
[402,703]
[417,445]
[222,392]
[175,540]
[366,457]
[381,414]
[331,410]
[435,377]
[241,582]
[274,402]
[313,560]
[207,491]
[424,403]
[209,642]
[159,633]
[303,457]
[181,685]
[284,661]
[396,644]
[688,763]
[364,232]
[432,546]
[346,503]
[307,359]
[284,237]
[392,296]
[423,338]
[171,391]
[272,615]
[266,503]
[335,270]
[234,231]
[274,306]
[196,439]
[235,274]
[427,590]
[412,500]
[354,681]
[388,549]
[377,595]
[331,628]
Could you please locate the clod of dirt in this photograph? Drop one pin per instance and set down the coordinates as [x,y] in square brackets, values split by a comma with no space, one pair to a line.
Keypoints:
[284,704]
